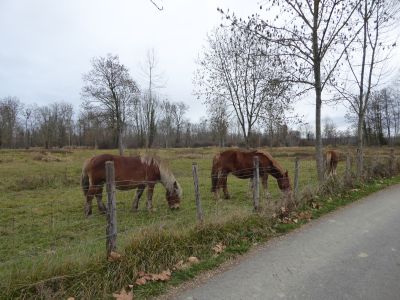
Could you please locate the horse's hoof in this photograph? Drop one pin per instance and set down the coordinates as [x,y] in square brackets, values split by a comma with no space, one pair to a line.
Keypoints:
[227,197]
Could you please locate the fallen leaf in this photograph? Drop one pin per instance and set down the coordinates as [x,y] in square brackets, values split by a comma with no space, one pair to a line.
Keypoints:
[295,220]
[71,298]
[180,265]
[304,215]
[123,295]
[315,205]
[219,248]
[114,256]
[193,260]
[140,281]
[163,276]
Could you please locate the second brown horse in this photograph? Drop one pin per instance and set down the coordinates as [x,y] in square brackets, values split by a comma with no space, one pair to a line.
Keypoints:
[240,164]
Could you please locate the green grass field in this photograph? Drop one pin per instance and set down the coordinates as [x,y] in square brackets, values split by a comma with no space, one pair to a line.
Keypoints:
[43,228]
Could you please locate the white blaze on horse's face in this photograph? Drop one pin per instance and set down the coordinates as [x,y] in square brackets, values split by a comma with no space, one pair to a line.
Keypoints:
[174,196]
[284,182]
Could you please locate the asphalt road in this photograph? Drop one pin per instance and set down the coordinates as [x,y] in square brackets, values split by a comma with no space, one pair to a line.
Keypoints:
[353,253]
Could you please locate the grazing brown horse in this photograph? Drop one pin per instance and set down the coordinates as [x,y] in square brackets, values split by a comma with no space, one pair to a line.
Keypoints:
[240,164]
[130,173]
[332,159]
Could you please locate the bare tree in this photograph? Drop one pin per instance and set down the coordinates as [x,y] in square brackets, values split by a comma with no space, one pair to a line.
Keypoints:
[218,112]
[9,112]
[330,131]
[165,122]
[236,68]
[178,113]
[150,96]
[307,32]
[109,86]
[365,70]
[27,114]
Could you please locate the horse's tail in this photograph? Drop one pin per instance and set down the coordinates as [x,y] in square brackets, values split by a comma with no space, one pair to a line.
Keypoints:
[85,178]
[328,162]
[214,173]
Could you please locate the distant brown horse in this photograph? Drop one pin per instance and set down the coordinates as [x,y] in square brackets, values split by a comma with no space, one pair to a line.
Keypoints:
[130,173]
[240,164]
[332,159]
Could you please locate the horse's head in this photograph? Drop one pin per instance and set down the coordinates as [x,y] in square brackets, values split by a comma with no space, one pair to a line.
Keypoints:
[174,196]
[284,182]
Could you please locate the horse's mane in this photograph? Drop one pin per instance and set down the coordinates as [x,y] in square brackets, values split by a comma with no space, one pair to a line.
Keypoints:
[275,164]
[167,178]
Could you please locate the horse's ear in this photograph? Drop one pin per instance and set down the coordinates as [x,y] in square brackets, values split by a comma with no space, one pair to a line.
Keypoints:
[175,185]
[286,174]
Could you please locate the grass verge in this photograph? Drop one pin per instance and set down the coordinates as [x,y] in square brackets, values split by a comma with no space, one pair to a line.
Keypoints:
[157,250]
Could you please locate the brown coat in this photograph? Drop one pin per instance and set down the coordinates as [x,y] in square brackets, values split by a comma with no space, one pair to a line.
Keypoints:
[135,172]
[240,164]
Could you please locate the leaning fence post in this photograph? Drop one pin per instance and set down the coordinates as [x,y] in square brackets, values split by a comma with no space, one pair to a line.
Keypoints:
[296,176]
[392,162]
[199,209]
[111,230]
[256,187]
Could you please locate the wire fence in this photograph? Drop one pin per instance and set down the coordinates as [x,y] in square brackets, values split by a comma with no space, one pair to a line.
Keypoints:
[41,233]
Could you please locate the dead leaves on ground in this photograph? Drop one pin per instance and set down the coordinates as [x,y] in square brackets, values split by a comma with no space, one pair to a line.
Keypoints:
[183,265]
[123,295]
[143,277]
[294,217]
[114,256]
[219,248]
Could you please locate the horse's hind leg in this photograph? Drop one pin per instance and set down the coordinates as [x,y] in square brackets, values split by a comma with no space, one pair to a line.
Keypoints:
[139,192]
[100,204]
[150,190]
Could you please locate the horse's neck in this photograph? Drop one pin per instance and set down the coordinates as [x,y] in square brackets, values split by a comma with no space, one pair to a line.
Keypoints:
[167,180]
[275,172]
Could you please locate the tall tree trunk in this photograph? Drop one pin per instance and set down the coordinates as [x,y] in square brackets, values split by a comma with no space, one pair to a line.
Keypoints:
[360,146]
[318,94]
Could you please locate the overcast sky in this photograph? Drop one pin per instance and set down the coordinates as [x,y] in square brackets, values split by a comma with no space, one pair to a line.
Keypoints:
[46,45]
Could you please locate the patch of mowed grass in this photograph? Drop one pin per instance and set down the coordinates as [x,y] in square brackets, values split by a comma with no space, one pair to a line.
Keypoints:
[46,240]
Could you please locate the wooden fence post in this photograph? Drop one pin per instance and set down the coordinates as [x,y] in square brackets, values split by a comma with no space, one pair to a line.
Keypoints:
[256,185]
[296,176]
[392,162]
[199,210]
[111,230]
[348,167]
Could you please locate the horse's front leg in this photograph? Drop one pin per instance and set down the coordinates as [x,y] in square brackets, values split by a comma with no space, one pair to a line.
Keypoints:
[150,190]
[100,204]
[224,179]
[139,192]
[265,184]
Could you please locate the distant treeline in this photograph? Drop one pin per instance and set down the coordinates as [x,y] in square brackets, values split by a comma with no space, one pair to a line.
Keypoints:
[59,125]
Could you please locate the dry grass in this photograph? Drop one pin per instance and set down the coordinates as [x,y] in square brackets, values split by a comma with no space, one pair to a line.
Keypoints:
[44,235]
